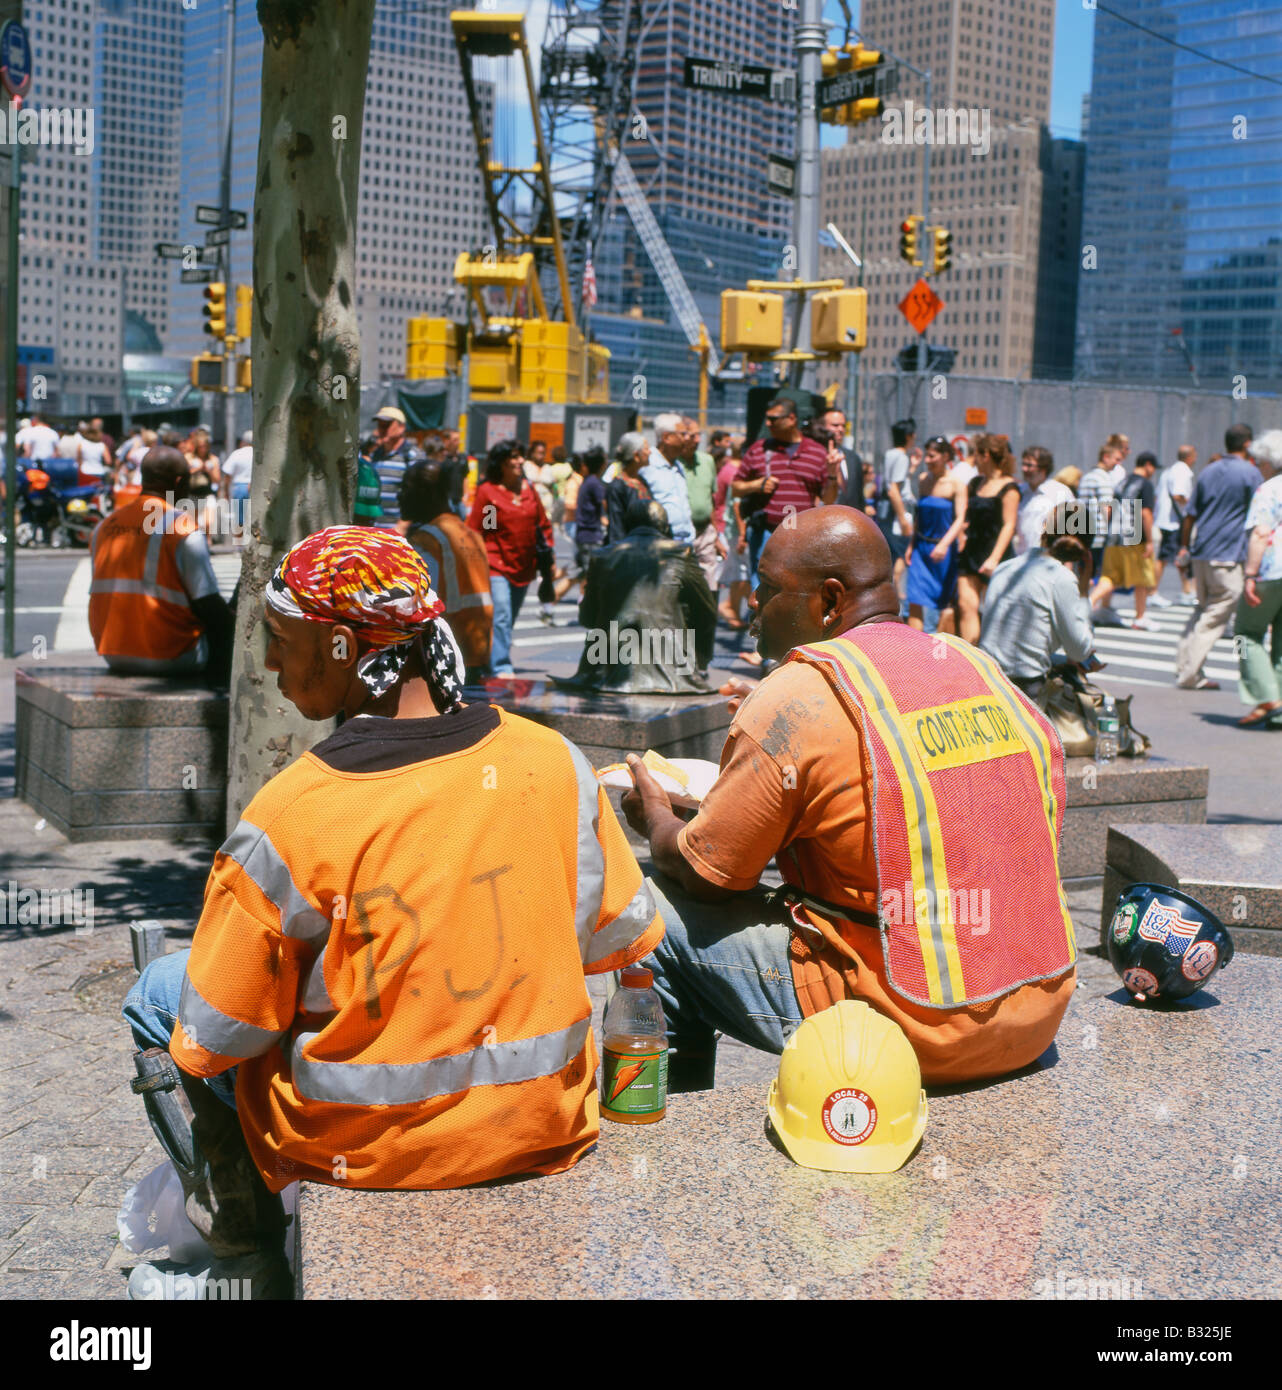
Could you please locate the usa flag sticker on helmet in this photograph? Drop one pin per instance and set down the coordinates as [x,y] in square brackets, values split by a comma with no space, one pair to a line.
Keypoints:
[1162,923]
[849,1116]
[1199,960]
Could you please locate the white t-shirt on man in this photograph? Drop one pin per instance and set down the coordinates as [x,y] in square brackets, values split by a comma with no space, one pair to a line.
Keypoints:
[239,464]
[42,440]
[897,468]
[1176,481]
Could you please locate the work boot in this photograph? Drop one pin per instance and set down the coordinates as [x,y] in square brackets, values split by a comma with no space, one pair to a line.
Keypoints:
[227,1201]
[242,1278]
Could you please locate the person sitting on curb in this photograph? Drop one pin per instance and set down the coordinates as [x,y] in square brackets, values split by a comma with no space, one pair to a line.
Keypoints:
[456,560]
[871,765]
[154,605]
[392,949]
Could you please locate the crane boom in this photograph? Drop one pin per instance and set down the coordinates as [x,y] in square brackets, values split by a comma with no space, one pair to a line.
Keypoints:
[661,257]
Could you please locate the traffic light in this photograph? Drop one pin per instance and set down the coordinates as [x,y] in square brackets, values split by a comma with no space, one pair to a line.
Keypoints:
[244,312]
[941,250]
[909,239]
[216,310]
[852,57]
[865,109]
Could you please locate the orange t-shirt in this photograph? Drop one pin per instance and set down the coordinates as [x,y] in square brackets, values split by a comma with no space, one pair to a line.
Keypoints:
[793,785]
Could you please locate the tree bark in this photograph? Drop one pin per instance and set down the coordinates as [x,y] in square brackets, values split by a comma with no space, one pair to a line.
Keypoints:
[306,343]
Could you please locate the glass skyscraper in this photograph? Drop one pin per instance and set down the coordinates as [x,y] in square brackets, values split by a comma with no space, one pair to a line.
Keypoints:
[1182,219]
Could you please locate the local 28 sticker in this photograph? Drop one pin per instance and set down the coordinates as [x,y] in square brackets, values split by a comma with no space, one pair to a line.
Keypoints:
[1124,923]
[849,1116]
[1199,960]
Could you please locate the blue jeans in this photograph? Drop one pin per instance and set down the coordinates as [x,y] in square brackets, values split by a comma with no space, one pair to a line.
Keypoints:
[721,967]
[758,535]
[151,1010]
[507,599]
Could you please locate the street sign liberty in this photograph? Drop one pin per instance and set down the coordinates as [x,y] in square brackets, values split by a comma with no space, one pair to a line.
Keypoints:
[920,305]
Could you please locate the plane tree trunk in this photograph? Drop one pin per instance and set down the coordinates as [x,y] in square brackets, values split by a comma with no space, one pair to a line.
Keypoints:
[306,343]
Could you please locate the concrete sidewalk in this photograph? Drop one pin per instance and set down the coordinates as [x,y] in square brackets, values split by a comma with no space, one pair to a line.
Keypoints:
[72,1134]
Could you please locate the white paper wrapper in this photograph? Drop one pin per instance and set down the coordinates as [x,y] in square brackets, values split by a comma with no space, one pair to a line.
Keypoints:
[699,775]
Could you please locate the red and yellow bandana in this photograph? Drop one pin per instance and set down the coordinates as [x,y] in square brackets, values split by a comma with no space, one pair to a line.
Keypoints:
[377,584]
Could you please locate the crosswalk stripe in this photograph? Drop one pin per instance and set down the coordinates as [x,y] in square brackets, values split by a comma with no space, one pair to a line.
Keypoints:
[72,634]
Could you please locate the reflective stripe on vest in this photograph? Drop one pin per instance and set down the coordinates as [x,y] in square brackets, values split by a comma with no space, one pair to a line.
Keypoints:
[382,1083]
[941,774]
[450,595]
[216,1032]
[250,847]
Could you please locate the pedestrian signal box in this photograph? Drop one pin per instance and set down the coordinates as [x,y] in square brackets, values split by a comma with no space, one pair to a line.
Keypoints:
[244,374]
[839,321]
[244,312]
[751,321]
[216,310]
[207,372]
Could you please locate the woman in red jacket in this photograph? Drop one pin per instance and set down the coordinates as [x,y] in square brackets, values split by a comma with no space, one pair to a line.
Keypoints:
[508,514]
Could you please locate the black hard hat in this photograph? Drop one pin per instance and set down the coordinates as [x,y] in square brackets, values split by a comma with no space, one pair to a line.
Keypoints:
[1165,944]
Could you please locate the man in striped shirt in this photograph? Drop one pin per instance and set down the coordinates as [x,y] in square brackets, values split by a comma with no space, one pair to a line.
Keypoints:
[1096,490]
[788,469]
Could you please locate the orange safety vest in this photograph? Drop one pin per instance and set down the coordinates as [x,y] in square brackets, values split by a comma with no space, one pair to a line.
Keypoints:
[968,804]
[464,569]
[138,607]
[396,960]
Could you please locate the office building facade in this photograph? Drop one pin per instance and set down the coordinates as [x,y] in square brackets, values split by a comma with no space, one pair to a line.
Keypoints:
[420,195]
[1182,218]
[1008,191]
[701,163]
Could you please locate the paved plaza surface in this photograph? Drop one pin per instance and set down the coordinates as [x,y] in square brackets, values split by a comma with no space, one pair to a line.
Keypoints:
[73,1136]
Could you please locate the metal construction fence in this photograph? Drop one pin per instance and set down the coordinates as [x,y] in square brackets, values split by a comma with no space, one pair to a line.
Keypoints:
[1070,418]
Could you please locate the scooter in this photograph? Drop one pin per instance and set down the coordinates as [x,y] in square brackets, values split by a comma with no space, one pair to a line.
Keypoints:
[40,519]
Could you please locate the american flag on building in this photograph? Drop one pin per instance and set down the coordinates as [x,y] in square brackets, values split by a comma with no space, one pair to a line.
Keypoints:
[589,283]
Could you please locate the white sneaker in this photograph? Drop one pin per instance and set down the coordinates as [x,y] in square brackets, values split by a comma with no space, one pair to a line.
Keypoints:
[1146,623]
[1157,601]
[1187,600]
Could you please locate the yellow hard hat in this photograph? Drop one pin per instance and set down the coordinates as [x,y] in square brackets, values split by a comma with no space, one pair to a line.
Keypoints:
[848,1097]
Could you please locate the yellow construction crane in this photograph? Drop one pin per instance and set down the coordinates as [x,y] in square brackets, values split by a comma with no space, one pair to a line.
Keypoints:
[519,352]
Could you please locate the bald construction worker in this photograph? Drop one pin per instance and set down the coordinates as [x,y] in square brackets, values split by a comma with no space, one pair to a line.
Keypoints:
[456,560]
[386,985]
[154,605]
[912,799]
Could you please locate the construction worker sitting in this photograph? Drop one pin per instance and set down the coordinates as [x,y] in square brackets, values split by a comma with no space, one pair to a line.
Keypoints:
[154,605]
[912,799]
[456,560]
[392,950]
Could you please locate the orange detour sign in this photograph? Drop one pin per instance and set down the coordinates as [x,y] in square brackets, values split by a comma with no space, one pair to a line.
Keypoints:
[920,305]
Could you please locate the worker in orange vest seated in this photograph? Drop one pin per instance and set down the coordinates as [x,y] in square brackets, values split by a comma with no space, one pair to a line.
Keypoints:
[912,799]
[392,950]
[456,560]
[154,605]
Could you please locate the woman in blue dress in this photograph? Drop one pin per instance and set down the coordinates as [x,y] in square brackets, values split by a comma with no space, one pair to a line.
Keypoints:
[932,556]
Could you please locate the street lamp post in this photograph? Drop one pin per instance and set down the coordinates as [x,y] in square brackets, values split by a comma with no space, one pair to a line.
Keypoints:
[811,37]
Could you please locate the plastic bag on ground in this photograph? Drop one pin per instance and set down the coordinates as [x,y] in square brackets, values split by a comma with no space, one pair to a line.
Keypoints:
[153,1215]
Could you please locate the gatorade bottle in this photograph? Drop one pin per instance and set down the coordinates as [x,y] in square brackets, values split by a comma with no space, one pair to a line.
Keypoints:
[634,1069]
[1106,729]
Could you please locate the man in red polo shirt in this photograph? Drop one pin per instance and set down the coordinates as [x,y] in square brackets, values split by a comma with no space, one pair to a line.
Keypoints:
[790,471]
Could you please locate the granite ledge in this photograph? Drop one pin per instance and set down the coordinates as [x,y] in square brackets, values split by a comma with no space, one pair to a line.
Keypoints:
[1017,1184]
